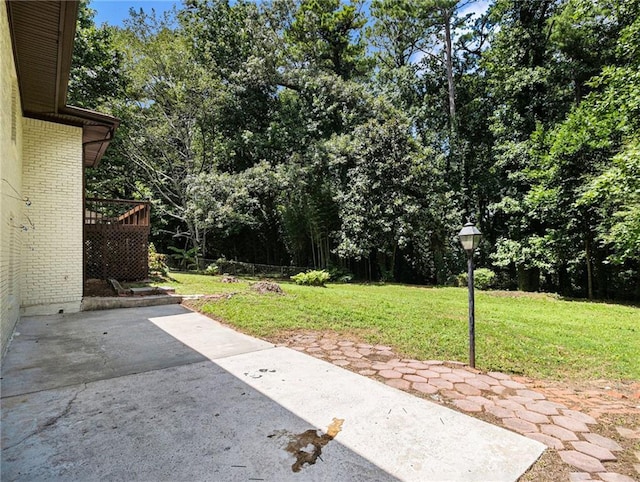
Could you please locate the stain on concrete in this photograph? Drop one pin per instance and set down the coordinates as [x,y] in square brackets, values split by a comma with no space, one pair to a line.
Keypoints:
[307,446]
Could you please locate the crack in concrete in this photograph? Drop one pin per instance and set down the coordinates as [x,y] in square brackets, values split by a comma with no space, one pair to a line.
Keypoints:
[51,421]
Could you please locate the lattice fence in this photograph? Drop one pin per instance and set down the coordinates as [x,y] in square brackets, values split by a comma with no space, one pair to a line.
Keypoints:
[116,240]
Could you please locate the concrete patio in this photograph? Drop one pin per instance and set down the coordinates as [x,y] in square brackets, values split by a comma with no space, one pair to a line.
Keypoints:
[162,393]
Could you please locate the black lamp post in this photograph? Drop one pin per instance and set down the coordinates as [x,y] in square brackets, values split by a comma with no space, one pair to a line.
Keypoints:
[470,239]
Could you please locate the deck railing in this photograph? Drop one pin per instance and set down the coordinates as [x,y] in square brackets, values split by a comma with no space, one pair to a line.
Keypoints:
[116,211]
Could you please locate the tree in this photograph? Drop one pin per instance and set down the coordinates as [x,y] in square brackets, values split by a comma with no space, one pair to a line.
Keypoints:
[96,70]
[391,204]
[597,141]
[97,81]
[168,115]
[425,50]
[232,206]
[264,132]
[326,34]
[559,214]
[523,78]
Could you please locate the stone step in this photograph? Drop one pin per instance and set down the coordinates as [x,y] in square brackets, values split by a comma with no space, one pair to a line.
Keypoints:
[152,290]
[109,303]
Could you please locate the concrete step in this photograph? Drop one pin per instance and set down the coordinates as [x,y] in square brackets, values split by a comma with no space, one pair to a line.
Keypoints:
[109,303]
[152,290]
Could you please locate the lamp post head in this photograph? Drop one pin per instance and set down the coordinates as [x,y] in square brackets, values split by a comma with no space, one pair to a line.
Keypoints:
[469,237]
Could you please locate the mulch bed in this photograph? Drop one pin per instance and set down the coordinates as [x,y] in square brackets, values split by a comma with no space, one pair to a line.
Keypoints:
[98,287]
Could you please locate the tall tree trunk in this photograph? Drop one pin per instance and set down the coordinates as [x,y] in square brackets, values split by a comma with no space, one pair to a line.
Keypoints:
[203,245]
[587,252]
[194,240]
[448,48]
[451,88]
[313,250]
[393,261]
[328,251]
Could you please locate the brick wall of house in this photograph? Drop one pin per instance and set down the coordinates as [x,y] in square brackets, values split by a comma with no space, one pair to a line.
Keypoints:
[52,267]
[12,209]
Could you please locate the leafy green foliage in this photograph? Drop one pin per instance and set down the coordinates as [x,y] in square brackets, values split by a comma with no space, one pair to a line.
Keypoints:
[340,275]
[312,278]
[306,133]
[98,80]
[483,279]
[390,202]
[96,77]
[186,258]
[157,262]
[323,33]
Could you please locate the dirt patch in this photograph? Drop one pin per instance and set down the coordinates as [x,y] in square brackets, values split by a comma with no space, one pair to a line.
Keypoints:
[197,304]
[548,468]
[522,294]
[626,457]
[264,287]
[380,357]
[229,279]
[98,287]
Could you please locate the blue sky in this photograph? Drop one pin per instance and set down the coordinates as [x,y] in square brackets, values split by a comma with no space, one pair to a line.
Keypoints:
[114,12]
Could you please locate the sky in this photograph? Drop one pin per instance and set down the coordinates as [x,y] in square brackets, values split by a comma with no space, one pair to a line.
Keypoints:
[114,12]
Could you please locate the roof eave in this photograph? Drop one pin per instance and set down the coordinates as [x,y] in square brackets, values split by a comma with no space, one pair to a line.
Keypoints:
[98,128]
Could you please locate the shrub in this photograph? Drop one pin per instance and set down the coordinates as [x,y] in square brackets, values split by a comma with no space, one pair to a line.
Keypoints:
[157,262]
[340,275]
[186,258]
[483,279]
[312,278]
[386,275]
[211,270]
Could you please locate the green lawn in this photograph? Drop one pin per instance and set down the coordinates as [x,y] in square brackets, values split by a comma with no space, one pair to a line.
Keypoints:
[530,334]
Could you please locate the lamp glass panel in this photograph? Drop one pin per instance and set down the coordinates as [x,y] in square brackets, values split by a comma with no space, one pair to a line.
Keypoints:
[467,241]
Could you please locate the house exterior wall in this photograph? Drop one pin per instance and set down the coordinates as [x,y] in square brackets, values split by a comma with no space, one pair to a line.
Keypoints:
[11,207]
[52,266]
[41,244]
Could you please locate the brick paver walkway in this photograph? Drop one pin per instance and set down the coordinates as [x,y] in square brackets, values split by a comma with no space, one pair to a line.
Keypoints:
[547,413]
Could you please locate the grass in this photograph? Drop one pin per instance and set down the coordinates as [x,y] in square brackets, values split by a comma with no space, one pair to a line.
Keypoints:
[536,335]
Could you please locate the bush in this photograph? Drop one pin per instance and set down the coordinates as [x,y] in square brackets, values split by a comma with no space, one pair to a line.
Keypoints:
[157,262]
[340,275]
[212,270]
[312,278]
[483,279]
[186,258]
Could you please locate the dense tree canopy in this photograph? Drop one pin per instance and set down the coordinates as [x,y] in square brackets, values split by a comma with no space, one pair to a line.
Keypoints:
[361,136]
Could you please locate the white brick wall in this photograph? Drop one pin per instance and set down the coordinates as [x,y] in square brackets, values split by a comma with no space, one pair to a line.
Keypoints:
[52,254]
[11,208]
[40,267]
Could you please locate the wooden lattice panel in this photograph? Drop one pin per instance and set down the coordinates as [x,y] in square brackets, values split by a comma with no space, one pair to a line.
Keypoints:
[117,251]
